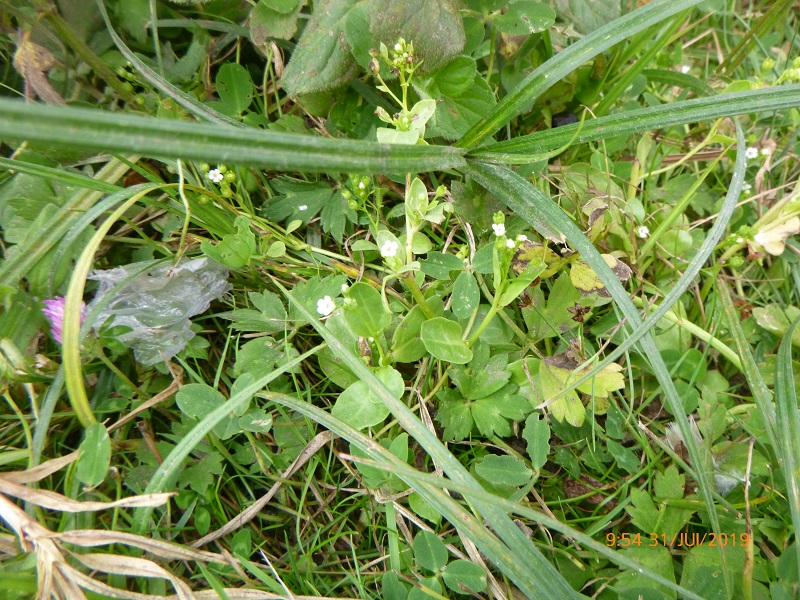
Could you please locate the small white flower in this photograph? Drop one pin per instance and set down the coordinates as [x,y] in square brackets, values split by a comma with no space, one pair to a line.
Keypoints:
[746,187]
[499,229]
[760,238]
[326,306]
[643,231]
[361,185]
[398,48]
[215,175]
[685,68]
[522,238]
[751,152]
[345,287]
[510,244]
[389,248]
[739,240]
[766,152]
[302,207]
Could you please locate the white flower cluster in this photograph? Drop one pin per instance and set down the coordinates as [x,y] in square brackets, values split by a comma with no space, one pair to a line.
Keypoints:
[389,249]
[215,175]
[325,306]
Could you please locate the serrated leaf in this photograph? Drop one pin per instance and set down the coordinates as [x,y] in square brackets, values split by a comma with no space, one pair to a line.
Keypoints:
[269,318]
[643,512]
[257,357]
[537,435]
[429,551]
[587,281]
[462,576]
[94,455]
[297,201]
[200,475]
[235,249]
[503,470]
[568,407]
[442,338]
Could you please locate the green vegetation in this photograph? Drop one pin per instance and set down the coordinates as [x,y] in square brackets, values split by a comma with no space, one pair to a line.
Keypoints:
[370,299]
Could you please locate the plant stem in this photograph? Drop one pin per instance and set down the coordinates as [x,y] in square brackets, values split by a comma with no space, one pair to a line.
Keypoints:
[411,284]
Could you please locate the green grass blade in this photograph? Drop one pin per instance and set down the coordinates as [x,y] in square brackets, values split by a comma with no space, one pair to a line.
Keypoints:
[70,348]
[680,80]
[191,104]
[89,129]
[649,53]
[548,582]
[761,395]
[690,273]
[61,175]
[429,486]
[528,147]
[788,424]
[168,469]
[533,206]
[566,61]
[771,20]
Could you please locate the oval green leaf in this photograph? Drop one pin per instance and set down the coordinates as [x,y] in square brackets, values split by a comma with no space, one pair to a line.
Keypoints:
[442,338]
[94,455]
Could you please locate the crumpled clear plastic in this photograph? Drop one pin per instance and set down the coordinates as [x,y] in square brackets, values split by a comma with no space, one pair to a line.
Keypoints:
[157,305]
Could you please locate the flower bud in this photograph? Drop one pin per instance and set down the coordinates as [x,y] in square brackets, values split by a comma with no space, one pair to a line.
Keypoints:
[767,65]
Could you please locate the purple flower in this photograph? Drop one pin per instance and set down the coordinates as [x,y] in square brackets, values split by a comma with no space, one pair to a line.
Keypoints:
[54,311]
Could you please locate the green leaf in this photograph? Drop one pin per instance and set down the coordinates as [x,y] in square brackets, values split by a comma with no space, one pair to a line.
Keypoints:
[525,18]
[256,420]
[270,316]
[197,400]
[429,551]
[439,265]
[281,6]
[386,135]
[91,129]
[776,319]
[567,407]
[94,455]
[442,338]
[658,559]
[235,87]
[455,416]
[406,345]
[297,200]
[643,512]
[517,285]
[360,407]
[311,291]
[257,357]
[456,77]
[466,296]
[462,576]
[625,457]
[321,61]
[201,474]
[392,588]
[537,435]
[267,22]
[503,470]
[455,116]
[491,414]
[235,249]
[369,317]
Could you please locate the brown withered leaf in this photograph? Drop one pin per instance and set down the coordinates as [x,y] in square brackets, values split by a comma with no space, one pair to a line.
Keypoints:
[33,61]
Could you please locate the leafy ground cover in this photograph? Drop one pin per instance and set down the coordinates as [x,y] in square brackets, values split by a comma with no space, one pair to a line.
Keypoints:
[399,299]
